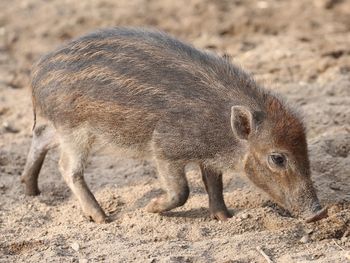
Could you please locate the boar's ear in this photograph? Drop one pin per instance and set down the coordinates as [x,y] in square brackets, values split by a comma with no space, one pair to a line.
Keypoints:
[241,122]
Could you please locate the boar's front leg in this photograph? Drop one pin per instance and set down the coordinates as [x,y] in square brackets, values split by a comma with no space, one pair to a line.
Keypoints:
[74,153]
[173,178]
[213,184]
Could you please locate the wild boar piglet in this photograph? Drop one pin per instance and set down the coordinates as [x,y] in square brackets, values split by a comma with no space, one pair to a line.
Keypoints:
[151,96]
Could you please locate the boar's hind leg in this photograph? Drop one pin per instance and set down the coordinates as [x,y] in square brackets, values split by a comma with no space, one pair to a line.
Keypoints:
[172,175]
[74,152]
[213,184]
[43,139]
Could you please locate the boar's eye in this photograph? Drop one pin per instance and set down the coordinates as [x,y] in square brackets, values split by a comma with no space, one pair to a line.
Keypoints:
[277,159]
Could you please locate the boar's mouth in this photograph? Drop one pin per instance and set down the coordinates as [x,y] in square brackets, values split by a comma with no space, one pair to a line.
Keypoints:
[320,214]
[311,212]
[315,212]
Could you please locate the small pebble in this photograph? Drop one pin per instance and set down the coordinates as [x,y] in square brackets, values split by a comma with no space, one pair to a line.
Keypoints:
[305,239]
[343,239]
[309,231]
[75,246]
[3,110]
[245,216]
[9,128]
[262,4]
[2,31]
[83,260]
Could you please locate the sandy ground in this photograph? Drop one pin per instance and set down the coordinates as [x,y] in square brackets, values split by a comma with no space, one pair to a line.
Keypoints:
[299,48]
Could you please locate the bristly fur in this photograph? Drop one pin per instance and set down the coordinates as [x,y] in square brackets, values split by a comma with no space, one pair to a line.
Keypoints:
[102,77]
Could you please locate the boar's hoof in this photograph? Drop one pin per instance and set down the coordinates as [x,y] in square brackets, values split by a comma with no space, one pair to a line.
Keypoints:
[220,215]
[157,205]
[99,219]
[323,213]
[98,216]
[32,191]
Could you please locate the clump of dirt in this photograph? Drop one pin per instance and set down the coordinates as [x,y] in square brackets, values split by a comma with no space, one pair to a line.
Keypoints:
[336,226]
[21,247]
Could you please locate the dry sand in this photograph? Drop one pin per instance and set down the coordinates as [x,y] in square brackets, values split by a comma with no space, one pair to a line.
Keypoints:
[298,48]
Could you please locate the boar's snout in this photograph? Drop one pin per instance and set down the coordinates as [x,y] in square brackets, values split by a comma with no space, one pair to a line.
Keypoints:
[304,203]
[315,212]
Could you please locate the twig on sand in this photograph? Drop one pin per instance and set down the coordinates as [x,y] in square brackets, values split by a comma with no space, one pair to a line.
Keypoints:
[268,259]
[338,245]
[347,252]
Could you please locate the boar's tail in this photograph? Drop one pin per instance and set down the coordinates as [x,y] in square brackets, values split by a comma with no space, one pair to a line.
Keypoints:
[34,113]
[34,119]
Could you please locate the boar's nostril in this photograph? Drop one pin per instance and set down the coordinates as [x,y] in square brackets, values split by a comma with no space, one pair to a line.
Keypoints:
[316,207]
